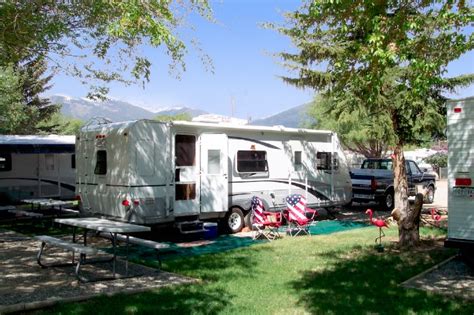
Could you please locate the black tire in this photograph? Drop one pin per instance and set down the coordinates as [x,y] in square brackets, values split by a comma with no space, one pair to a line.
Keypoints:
[248,220]
[388,201]
[430,195]
[467,255]
[234,220]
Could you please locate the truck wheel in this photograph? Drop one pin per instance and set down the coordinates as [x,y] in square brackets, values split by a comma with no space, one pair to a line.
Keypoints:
[430,194]
[388,202]
[234,220]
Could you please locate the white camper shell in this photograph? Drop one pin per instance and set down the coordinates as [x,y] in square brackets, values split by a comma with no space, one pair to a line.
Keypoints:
[461,173]
[36,167]
[152,172]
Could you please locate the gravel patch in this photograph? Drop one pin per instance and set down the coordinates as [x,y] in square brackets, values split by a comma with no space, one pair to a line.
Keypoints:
[25,285]
[452,277]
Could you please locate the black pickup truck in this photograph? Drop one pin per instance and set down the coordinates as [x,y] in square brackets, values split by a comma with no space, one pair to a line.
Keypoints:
[374,182]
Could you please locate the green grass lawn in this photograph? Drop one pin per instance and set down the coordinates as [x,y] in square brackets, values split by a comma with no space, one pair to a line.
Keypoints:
[339,273]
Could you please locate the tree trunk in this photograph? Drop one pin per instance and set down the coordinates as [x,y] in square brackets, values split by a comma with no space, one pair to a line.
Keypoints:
[408,219]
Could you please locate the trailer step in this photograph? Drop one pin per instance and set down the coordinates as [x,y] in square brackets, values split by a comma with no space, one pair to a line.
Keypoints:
[190,227]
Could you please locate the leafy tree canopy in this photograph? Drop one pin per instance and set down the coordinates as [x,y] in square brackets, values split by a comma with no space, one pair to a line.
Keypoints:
[167,118]
[110,31]
[361,132]
[61,125]
[387,57]
[386,60]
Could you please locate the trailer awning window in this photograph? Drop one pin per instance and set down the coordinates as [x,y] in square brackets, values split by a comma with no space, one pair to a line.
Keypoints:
[324,161]
[298,160]
[5,162]
[252,161]
[101,163]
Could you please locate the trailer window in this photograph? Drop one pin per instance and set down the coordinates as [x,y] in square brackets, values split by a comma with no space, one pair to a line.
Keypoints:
[214,161]
[298,160]
[49,162]
[5,162]
[101,163]
[252,161]
[73,161]
[323,160]
[185,150]
[185,191]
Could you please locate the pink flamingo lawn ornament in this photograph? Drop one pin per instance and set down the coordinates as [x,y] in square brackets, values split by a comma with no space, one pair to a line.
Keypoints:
[435,216]
[378,223]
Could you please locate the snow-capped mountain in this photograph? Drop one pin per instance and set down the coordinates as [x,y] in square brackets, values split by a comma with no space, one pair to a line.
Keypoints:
[115,110]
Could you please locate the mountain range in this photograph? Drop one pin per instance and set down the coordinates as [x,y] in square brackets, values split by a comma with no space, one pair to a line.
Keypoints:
[115,110]
[295,117]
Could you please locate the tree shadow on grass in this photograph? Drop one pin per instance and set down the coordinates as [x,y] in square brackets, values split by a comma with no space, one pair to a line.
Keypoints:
[205,297]
[186,299]
[364,281]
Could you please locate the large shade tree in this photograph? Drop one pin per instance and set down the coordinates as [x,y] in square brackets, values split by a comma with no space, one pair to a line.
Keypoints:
[391,58]
[360,131]
[96,41]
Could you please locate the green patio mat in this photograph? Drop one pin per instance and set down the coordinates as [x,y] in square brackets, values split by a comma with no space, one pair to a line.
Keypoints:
[328,227]
[224,243]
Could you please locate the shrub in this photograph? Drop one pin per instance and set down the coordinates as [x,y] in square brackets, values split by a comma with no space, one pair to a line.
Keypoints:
[438,160]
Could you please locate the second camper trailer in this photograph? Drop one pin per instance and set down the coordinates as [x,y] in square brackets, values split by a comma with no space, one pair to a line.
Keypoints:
[151,172]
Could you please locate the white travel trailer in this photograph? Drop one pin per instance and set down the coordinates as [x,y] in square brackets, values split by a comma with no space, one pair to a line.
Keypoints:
[461,174]
[151,172]
[36,166]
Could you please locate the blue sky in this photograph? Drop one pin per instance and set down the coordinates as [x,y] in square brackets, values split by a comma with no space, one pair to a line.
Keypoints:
[246,77]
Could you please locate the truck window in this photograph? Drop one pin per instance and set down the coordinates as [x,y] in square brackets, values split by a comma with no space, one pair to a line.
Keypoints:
[414,168]
[252,161]
[73,161]
[101,163]
[377,164]
[5,162]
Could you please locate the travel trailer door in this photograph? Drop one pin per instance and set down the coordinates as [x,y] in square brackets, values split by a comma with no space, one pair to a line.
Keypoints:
[186,197]
[48,175]
[214,182]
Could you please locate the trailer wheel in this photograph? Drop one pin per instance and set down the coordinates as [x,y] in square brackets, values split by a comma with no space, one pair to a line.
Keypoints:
[430,194]
[388,201]
[248,220]
[234,220]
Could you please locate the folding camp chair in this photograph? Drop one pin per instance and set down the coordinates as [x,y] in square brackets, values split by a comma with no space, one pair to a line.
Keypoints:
[298,216]
[264,223]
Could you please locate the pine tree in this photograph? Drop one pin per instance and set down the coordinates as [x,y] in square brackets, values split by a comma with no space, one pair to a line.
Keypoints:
[37,108]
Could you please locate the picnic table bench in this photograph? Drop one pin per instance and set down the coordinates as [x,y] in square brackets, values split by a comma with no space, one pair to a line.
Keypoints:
[113,228]
[82,250]
[26,213]
[142,242]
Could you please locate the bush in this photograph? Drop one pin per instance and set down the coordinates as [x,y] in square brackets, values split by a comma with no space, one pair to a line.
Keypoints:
[438,160]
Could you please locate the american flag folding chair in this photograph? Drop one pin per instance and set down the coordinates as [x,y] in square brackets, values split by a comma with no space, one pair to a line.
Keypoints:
[264,223]
[298,216]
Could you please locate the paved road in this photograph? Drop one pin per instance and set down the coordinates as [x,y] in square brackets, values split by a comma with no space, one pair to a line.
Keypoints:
[441,195]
